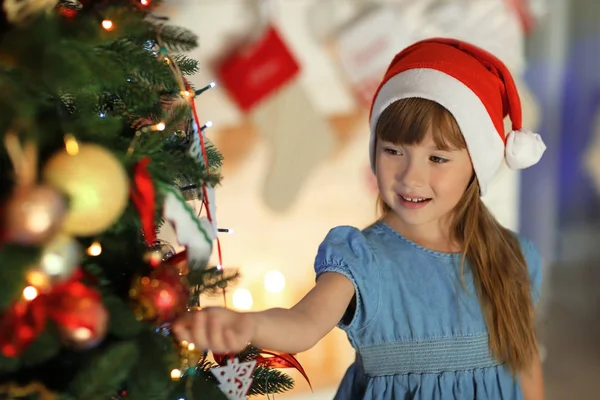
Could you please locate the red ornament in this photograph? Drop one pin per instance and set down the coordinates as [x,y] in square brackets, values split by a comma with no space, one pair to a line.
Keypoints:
[73,306]
[161,296]
[91,322]
[68,12]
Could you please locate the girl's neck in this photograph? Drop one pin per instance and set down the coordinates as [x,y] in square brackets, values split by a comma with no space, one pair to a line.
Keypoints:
[435,235]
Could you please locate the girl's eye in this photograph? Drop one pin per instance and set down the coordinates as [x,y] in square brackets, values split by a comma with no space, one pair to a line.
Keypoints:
[438,160]
[391,151]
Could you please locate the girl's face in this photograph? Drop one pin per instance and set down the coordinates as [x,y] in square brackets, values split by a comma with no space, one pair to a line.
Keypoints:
[420,182]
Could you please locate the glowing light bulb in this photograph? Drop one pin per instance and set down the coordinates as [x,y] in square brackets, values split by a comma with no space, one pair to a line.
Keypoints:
[30,293]
[274,282]
[37,279]
[242,299]
[82,333]
[71,145]
[108,25]
[144,2]
[160,126]
[175,374]
[95,249]
[208,124]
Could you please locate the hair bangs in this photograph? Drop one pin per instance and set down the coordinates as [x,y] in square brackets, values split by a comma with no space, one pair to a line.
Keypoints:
[407,122]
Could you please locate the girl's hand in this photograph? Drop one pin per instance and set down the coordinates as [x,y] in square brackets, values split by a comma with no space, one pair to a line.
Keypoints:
[217,329]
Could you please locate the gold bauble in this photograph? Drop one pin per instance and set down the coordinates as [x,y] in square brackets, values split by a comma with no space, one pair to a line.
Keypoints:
[34,214]
[96,184]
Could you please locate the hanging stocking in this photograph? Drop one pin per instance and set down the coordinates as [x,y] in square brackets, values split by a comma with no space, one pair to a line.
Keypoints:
[262,79]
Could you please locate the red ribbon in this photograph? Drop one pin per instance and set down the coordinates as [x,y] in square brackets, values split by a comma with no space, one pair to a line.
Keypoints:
[270,359]
[22,323]
[205,158]
[142,195]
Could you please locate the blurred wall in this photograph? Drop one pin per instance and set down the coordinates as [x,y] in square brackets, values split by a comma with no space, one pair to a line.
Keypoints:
[560,207]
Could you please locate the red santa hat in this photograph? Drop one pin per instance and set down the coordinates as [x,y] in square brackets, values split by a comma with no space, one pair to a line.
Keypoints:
[476,88]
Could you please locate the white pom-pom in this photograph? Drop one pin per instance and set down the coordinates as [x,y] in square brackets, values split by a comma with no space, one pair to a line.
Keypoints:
[523,149]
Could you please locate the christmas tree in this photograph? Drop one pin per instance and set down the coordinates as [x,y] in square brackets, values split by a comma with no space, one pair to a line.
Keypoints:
[101,144]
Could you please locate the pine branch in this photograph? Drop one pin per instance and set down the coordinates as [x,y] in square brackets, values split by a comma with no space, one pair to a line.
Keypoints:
[122,323]
[249,353]
[42,349]
[212,281]
[269,381]
[150,378]
[187,66]
[104,372]
[15,261]
[177,39]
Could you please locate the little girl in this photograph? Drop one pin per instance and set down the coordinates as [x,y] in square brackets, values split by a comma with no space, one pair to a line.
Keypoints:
[436,296]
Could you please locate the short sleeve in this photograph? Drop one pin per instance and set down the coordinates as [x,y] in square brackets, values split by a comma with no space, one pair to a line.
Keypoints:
[534,266]
[345,251]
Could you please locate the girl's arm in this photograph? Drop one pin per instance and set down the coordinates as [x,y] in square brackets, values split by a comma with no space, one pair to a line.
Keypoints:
[532,381]
[287,330]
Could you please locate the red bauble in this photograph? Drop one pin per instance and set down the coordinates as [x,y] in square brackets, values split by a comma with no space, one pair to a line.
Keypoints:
[84,321]
[161,296]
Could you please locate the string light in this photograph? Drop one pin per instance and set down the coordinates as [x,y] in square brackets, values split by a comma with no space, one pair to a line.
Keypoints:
[208,124]
[205,88]
[242,299]
[95,249]
[82,333]
[108,25]
[71,145]
[175,374]
[274,282]
[159,127]
[144,2]
[37,279]
[30,293]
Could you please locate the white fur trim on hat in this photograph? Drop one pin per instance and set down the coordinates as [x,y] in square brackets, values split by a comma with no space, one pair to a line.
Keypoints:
[484,143]
[523,149]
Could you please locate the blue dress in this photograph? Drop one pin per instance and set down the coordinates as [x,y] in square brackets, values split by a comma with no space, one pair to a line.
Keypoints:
[417,333]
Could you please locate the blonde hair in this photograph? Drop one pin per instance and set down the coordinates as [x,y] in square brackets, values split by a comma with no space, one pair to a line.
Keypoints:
[499,268]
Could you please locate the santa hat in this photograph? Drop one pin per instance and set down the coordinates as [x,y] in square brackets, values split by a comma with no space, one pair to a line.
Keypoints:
[476,88]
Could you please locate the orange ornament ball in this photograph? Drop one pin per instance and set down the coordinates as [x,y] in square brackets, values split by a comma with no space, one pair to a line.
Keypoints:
[96,184]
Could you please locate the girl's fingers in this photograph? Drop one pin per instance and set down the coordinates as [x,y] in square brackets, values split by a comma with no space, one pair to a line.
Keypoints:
[232,340]
[182,328]
[199,329]
[215,334]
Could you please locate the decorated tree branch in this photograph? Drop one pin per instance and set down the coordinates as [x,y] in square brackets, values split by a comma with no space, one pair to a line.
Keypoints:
[101,145]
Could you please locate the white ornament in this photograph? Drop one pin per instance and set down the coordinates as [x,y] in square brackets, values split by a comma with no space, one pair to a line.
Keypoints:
[196,234]
[208,192]
[523,149]
[235,378]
